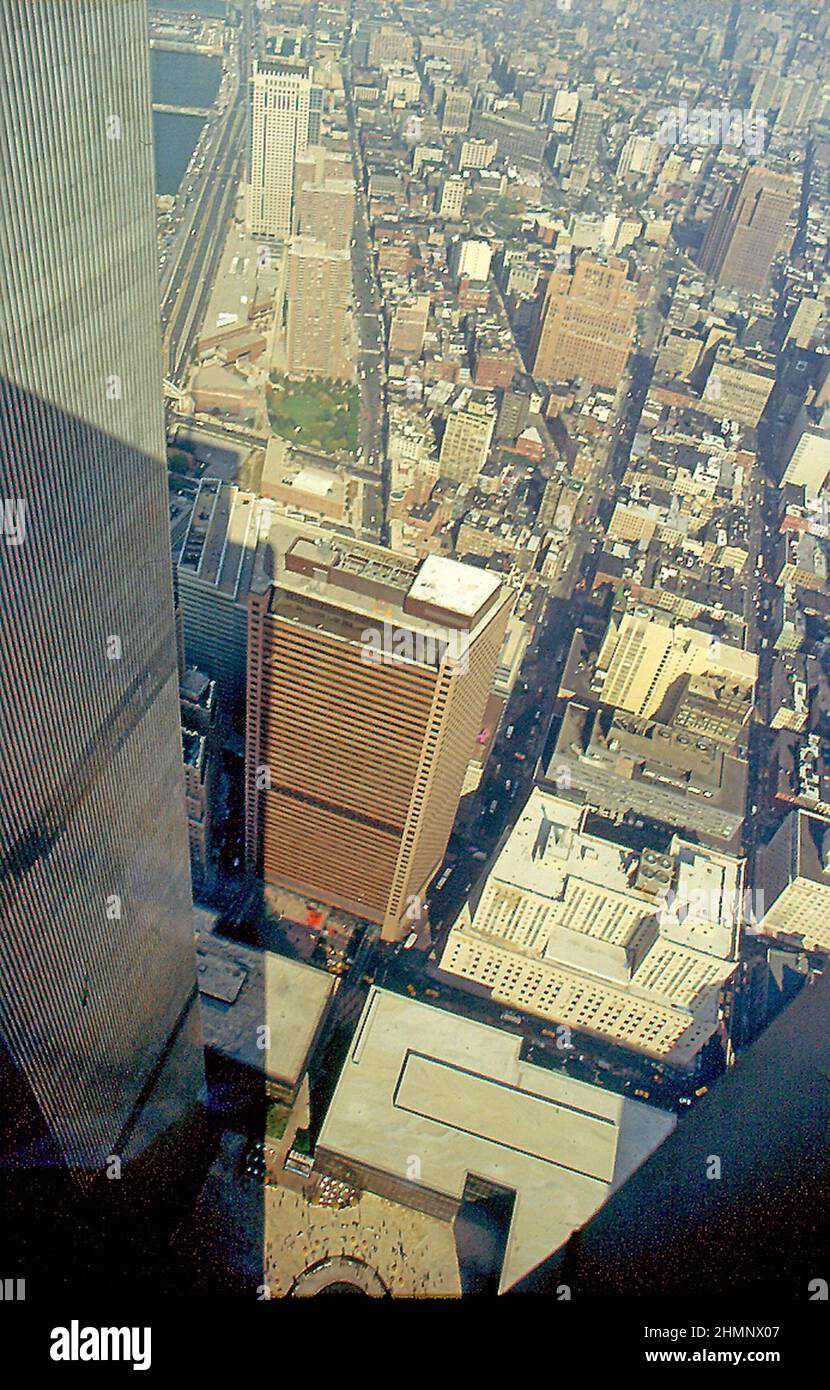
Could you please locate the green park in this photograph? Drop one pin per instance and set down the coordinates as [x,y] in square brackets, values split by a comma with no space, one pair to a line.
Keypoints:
[317,412]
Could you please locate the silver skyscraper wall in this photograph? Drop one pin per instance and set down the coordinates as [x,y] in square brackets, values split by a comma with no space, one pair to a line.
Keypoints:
[98,1000]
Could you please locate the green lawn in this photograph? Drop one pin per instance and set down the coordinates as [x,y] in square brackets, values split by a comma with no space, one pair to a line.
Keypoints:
[319,413]
[506,216]
[302,1142]
[276,1119]
[503,214]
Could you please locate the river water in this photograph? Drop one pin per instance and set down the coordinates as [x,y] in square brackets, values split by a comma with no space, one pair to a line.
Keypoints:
[189,79]
[213,8]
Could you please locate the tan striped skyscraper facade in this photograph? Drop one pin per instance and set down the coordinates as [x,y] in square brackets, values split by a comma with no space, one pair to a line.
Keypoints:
[368,676]
[319,287]
[98,1001]
[586,323]
[280,105]
[748,229]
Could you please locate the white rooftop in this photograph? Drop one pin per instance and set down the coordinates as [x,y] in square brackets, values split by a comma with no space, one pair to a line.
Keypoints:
[450,584]
[315,481]
[548,853]
[546,846]
[419,1080]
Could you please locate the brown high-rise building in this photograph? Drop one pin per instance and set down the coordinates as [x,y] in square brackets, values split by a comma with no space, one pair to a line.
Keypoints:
[324,196]
[586,323]
[325,211]
[408,327]
[319,287]
[368,677]
[748,229]
[456,111]
[318,163]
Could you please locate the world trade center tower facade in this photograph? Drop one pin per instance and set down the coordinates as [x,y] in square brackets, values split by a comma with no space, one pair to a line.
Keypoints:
[98,999]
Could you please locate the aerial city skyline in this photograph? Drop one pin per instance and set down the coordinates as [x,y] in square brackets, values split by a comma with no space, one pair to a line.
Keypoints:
[415,656]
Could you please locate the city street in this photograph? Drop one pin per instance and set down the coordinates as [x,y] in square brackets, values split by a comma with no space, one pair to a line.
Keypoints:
[188,277]
[368,308]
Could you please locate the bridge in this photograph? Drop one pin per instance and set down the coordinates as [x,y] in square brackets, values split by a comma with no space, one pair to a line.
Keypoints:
[210,50]
[203,111]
